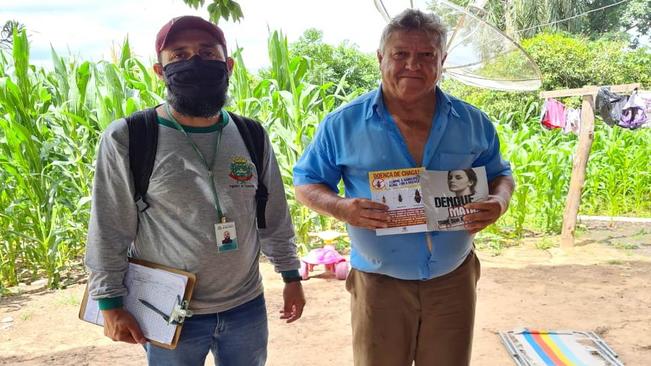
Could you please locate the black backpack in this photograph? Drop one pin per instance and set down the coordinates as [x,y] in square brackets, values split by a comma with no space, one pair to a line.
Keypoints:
[143,141]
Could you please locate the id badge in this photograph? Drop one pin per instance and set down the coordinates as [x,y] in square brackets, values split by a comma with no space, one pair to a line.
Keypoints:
[226,237]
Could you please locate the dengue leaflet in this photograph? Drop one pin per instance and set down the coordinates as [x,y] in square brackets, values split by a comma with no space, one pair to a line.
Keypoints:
[426,200]
[446,192]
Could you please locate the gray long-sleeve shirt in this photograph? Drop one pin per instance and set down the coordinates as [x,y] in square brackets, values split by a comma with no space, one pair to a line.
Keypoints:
[177,229]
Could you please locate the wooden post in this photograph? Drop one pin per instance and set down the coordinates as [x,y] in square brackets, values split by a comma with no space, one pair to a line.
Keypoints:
[582,153]
[579,166]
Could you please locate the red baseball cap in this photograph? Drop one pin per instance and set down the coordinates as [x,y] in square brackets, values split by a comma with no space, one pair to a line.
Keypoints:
[188,22]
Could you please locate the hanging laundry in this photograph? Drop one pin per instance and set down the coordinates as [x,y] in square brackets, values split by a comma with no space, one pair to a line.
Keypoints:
[645,96]
[633,113]
[610,105]
[572,121]
[553,115]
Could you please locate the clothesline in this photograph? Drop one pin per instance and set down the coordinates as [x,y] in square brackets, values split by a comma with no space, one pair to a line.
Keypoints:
[614,109]
[582,152]
[588,90]
[555,115]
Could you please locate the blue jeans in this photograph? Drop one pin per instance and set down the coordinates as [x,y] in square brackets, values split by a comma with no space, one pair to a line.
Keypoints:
[236,337]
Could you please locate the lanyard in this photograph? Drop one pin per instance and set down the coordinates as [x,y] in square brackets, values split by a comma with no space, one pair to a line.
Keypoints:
[211,175]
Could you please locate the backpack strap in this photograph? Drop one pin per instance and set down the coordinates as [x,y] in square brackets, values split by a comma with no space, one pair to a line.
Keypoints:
[143,141]
[253,135]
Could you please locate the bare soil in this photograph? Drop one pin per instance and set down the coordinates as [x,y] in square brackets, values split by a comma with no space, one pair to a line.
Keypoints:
[601,285]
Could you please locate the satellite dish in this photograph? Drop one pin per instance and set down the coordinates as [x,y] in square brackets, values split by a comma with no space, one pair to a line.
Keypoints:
[478,53]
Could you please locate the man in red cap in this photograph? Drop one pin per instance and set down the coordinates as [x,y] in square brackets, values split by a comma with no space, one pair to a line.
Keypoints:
[203,184]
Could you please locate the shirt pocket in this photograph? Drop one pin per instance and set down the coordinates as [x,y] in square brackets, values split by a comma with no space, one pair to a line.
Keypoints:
[242,197]
[450,161]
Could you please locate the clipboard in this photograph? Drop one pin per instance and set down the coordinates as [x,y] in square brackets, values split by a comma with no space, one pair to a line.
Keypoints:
[154,299]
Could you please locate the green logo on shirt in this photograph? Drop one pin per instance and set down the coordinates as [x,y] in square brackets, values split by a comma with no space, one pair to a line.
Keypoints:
[241,169]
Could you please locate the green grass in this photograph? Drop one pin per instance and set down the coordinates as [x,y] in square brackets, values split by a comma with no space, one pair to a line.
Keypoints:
[68,300]
[626,246]
[545,243]
[492,243]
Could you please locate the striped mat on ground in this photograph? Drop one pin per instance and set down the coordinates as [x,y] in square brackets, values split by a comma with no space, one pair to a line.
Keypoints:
[530,347]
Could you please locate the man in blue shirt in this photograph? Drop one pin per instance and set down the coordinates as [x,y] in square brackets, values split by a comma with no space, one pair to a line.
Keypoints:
[410,301]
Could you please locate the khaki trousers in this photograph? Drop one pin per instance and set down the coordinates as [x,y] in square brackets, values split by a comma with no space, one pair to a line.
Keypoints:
[396,322]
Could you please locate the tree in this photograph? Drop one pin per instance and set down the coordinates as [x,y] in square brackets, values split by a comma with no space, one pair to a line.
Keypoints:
[219,9]
[332,63]
[593,18]
[630,19]
[522,18]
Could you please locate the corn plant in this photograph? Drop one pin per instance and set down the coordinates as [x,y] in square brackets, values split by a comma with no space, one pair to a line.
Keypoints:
[49,126]
[617,179]
[290,109]
[25,159]
[620,167]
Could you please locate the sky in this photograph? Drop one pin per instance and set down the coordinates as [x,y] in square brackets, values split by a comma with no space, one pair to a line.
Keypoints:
[90,29]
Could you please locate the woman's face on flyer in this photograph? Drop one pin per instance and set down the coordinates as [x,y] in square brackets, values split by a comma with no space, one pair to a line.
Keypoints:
[458,180]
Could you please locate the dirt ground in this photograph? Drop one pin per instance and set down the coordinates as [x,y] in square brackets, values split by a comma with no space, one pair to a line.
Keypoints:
[601,285]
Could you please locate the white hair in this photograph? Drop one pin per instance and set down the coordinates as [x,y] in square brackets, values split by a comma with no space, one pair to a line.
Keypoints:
[413,19]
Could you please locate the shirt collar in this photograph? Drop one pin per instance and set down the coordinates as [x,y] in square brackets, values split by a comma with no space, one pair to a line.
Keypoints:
[443,102]
[377,104]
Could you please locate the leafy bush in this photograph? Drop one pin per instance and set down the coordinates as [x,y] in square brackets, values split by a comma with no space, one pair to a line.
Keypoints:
[344,64]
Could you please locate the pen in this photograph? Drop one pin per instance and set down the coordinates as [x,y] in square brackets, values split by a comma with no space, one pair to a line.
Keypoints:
[155,309]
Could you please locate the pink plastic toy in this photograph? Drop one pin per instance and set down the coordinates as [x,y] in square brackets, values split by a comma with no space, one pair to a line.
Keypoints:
[329,257]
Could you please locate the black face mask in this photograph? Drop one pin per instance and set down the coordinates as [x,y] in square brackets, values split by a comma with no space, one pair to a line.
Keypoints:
[196,87]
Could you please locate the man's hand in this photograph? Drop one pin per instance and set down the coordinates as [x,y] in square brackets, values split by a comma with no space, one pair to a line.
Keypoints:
[362,212]
[358,212]
[294,301]
[121,326]
[489,211]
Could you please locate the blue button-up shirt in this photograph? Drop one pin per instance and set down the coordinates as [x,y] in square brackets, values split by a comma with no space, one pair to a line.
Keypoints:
[361,137]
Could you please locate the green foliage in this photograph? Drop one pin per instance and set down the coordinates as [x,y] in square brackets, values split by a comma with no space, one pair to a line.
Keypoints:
[565,61]
[617,180]
[545,243]
[522,18]
[627,246]
[51,120]
[491,242]
[541,165]
[32,164]
[573,62]
[628,183]
[49,126]
[526,18]
[290,107]
[632,15]
[50,123]
[219,9]
[344,64]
